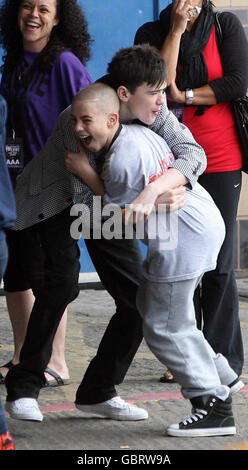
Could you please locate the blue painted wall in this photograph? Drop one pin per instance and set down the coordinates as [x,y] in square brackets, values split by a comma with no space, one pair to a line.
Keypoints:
[112,25]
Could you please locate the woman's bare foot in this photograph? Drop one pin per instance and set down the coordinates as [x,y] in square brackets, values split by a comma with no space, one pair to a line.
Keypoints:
[57,377]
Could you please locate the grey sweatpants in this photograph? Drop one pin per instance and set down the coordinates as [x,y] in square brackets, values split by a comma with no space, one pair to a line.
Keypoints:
[170,330]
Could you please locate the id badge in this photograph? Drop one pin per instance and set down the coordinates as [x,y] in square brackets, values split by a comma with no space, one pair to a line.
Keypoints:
[14,152]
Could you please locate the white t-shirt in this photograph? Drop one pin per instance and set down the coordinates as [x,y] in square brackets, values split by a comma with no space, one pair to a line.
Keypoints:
[182,244]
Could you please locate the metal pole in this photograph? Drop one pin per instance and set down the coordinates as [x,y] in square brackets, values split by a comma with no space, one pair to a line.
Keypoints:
[155,9]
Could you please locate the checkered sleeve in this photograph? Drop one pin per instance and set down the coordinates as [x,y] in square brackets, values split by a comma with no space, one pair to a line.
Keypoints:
[190,158]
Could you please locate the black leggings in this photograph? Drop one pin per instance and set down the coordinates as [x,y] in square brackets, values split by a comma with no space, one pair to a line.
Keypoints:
[217,305]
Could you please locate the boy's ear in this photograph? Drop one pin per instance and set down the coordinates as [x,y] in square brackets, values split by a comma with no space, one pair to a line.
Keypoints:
[123,93]
[113,118]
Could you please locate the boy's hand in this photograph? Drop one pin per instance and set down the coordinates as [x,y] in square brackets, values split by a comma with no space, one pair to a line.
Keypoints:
[141,207]
[77,163]
[173,198]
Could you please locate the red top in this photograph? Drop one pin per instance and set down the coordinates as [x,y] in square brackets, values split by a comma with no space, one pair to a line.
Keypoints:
[215,129]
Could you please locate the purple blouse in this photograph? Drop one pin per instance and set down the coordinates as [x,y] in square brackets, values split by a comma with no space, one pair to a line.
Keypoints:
[40,98]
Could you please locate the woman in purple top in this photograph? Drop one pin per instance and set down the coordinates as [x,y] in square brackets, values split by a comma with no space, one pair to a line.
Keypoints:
[46,44]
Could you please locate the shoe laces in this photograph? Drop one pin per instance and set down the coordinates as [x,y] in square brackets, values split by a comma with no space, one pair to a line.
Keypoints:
[118,402]
[196,416]
[27,403]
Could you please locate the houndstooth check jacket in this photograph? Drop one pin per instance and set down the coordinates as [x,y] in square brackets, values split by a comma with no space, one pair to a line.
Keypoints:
[45,187]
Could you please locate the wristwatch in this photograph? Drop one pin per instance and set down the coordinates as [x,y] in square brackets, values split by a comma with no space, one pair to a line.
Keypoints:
[189,95]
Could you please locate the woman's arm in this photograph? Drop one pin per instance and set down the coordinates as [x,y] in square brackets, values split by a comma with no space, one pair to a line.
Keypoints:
[170,48]
[71,76]
[233,48]
[166,36]
[234,82]
[190,158]
[202,96]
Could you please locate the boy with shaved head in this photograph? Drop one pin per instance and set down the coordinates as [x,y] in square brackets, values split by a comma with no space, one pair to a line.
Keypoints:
[45,193]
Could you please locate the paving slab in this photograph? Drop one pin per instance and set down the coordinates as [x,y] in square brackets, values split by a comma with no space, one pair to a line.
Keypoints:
[66,429]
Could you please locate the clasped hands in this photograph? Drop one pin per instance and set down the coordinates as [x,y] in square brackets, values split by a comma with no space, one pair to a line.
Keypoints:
[147,201]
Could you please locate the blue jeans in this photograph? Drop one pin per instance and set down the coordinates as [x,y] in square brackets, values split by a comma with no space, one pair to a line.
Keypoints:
[3,254]
[3,263]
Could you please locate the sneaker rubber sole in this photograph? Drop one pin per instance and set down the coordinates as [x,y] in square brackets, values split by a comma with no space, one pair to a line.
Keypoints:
[118,415]
[236,387]
[35,415]
[174,430]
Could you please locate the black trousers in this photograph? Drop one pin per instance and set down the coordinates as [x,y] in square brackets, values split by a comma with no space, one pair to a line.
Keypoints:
[118,263]
[217,303]
[23,270]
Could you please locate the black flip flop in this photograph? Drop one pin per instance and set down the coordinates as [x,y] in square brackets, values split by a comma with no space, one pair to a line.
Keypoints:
[166,380]
[58,381]
[9,366]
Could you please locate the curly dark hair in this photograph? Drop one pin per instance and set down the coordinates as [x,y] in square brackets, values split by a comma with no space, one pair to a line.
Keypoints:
[71,34]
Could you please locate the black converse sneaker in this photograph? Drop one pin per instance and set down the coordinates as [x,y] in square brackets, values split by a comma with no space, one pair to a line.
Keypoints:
[212,417]
[236,386]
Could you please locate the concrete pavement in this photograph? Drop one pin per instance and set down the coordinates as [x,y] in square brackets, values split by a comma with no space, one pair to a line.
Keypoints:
[65,428]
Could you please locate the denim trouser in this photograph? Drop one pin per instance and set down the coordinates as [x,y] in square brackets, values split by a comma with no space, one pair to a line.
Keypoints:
[3,263]
[170,330]
[3,254]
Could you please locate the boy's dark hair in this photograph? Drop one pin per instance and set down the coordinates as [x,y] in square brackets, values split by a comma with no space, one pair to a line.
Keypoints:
[133,66]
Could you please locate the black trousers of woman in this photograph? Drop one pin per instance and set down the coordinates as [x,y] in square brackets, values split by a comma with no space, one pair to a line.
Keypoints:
[118,263]
[217,303]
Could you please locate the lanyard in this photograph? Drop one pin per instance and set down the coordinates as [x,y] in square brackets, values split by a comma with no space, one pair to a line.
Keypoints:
[25,79]
[11,111]
[14,146]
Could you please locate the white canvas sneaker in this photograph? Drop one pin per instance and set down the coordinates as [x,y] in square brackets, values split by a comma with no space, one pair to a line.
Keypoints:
[115,408]
[24,408]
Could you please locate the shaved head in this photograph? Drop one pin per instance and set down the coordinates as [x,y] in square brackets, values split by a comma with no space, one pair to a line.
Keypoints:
[95,116]
[103,96]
